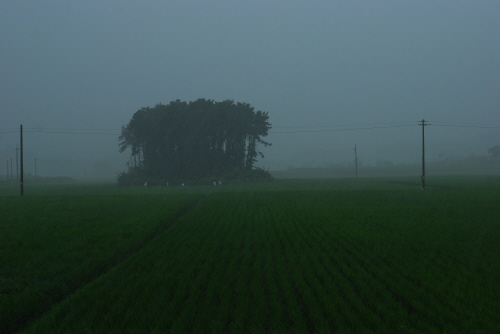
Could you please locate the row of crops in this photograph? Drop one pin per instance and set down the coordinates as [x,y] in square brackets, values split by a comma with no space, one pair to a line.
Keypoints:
[52,246]
[360,261]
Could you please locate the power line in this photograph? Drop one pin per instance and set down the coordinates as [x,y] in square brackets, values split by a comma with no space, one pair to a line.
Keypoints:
[271,132]
[73,133]
[467,126]
[345,127]
[71,151]
[72,129]
[468,123]
[338,125]
[337,130]
[65,131]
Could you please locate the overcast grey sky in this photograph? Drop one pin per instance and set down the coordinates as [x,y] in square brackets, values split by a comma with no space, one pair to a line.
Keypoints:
[87,66]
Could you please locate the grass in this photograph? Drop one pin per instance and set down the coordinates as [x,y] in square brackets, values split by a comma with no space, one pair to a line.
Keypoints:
[321,256]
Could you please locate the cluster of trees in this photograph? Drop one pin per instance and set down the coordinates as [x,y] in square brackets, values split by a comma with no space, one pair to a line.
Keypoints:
[198,140]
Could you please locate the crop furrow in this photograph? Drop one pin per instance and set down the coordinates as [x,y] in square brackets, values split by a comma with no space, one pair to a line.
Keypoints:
[398,288]
[350,278]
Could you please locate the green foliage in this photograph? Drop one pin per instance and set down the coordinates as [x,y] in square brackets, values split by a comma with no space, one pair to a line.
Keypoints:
[182,141]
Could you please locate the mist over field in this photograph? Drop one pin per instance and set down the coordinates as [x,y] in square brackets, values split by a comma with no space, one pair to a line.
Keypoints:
[331,75]
[151,128]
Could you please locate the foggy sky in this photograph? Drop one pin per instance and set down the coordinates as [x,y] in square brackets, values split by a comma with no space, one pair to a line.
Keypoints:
[359,72]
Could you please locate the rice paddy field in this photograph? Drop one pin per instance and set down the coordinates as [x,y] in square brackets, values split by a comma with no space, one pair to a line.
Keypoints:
[374,255]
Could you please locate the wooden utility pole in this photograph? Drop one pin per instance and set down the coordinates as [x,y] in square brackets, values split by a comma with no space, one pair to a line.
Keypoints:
[22,163]
[423,124]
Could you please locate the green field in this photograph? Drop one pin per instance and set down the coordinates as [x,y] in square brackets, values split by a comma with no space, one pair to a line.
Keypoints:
[292,256]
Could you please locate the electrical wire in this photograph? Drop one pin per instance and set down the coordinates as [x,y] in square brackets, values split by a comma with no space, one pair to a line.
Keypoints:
[341,125]
[467,126]
[337,130]
[73,133]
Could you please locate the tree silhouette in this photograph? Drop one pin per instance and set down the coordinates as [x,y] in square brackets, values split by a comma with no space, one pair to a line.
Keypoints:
[192,141]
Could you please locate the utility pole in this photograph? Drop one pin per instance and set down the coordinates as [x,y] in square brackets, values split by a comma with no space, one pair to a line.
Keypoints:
[423,124]
[356,160]
[22,163]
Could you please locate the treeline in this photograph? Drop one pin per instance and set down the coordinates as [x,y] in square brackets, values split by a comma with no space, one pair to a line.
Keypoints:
[198,140]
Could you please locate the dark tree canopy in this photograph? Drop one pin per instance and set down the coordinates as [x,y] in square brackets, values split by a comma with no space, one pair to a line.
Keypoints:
[196,140]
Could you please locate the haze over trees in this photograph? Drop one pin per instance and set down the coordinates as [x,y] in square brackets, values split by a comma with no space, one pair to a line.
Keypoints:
[199,140]
[494,151]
